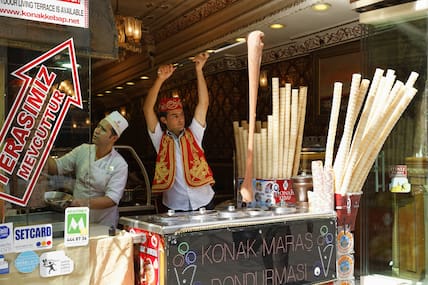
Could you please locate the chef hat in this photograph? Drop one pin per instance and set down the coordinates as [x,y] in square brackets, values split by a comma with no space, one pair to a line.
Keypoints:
[169,104]
[117,121]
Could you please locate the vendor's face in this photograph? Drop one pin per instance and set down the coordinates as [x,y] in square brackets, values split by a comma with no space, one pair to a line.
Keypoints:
[103,134]
[175,121]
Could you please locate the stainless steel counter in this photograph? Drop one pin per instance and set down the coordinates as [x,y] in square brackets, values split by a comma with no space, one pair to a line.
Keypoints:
[173,222]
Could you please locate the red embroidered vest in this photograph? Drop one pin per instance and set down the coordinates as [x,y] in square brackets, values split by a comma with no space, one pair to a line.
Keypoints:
[196,169]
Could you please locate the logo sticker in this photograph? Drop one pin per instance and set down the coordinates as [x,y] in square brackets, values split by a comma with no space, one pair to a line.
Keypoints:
[4,265]
[26,261]
[36,237]
[6,238]
[76,232]
[55,263]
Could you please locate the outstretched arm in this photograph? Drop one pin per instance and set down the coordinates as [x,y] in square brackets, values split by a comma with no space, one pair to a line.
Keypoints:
[203,98]
[164,72]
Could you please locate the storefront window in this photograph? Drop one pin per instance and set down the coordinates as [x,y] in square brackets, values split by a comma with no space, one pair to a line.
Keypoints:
[393,226]
[45,56]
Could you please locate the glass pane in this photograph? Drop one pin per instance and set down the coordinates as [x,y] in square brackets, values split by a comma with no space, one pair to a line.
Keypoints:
[393,225]
[45,80]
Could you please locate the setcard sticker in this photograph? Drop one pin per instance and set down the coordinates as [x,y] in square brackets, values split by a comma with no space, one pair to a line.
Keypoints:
[6,238]
[38,111]
[55,263]
[27,261]
[76,231]
[35,237]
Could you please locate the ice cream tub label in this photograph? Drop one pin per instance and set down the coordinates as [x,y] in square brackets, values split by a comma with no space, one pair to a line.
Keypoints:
[269,192]
[399,182]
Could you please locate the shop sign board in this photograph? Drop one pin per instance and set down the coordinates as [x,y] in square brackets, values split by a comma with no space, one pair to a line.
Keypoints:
[293,252]
[61,12]
[35,118]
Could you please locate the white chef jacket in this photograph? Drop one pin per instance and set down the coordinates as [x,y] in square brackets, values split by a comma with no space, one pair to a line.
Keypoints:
[106,176]
[181,196]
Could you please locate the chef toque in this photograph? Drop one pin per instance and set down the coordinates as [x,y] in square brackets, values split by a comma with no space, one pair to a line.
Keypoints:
[117,121]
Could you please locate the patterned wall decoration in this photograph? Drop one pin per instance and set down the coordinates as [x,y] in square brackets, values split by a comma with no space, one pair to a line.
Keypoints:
[312,42]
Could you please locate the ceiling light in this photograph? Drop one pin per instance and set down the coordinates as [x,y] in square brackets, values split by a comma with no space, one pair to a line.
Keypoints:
[123,111]
[129,32]
[263,81]
[240,39]
[276,26]
[130,83]
[100,95]
[107,91]
[144,77]
[119,87]
[321,6]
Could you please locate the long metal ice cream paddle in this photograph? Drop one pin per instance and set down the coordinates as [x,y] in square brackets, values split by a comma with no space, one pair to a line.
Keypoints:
[185,61]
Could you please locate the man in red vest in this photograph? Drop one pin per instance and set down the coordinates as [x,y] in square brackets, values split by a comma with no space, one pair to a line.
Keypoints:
[182,173]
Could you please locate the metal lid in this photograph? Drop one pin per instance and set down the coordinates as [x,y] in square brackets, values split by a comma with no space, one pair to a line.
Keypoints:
[231,212]
[283,209]
[302,178]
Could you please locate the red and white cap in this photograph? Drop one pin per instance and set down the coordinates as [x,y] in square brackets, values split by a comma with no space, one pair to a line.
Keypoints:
[169,104]
[117,121]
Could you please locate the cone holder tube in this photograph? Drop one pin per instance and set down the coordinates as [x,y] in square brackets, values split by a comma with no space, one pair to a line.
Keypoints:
[347,208]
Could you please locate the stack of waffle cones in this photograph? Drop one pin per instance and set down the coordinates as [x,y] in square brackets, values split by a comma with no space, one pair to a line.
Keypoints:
[277,142]
[368,122]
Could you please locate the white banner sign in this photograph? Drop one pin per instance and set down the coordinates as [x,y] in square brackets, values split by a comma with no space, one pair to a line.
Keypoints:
[62,12]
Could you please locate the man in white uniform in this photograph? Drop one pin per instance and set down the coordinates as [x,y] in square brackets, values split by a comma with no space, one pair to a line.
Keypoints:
[101,172]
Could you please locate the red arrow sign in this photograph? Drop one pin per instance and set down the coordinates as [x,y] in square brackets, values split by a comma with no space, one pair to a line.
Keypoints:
[35,119]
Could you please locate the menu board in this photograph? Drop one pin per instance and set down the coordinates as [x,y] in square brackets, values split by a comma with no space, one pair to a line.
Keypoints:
[291,252]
